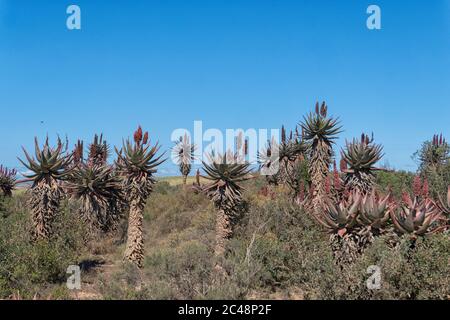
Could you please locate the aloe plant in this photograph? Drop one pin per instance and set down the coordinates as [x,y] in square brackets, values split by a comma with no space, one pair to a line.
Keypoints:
[47,171]
[320,131]
[416,217]
[137,163]
[8,179]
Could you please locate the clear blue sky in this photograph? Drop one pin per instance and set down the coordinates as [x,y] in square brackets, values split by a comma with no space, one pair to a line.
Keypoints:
[232,64]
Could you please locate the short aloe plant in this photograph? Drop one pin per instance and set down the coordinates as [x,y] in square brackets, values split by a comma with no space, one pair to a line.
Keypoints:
[416,217]
[8,179]
[361,157]
[184,153]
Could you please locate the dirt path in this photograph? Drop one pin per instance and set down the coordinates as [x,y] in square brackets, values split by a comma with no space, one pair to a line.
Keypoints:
[97,268]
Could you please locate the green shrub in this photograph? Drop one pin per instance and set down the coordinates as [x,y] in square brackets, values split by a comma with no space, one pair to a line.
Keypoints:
[29,267]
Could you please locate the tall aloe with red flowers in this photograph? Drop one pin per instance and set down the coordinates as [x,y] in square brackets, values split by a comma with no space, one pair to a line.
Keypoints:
[137,163]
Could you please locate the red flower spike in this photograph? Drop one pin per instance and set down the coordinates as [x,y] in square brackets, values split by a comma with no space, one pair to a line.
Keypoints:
[406,198]
[336,179]
[343,165]
[425,188]
[138,135]
[323,110]
[417,186]
[145,141]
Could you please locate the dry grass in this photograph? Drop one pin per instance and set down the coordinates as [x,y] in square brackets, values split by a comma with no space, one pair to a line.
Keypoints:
[176,181]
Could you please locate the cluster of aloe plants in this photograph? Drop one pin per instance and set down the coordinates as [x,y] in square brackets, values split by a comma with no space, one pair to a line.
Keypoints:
[97,186]
[353,222]
[345,202]
[103,191]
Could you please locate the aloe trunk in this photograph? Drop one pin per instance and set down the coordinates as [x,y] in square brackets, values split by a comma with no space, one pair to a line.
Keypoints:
[319,169]
[135,244]
[44,203]
[224,232]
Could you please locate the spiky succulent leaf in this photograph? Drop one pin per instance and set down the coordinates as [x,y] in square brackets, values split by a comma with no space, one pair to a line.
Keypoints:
[49,163]
[99,190]
[136,160]
[360,157]
[317,128]
[184,154]
[416,217]
[98,151]
[341,216]
[225,175]
[374,211]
